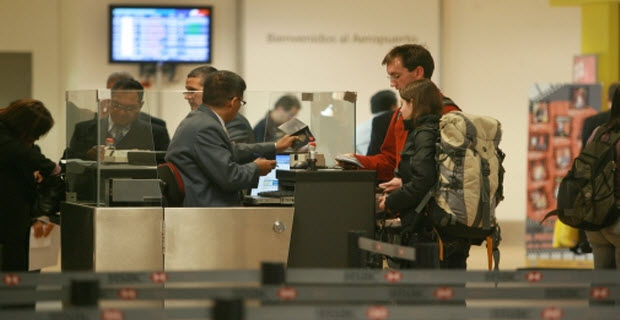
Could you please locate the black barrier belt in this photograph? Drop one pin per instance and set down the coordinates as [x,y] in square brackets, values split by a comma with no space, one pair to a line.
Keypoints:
[366,312]
[315,276]
[388,249]
[121,278]
[326,293]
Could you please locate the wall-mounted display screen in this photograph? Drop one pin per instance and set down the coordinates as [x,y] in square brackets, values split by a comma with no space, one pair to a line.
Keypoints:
[179,34]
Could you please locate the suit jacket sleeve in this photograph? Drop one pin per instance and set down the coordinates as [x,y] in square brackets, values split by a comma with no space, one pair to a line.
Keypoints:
[247,152]
[217,162]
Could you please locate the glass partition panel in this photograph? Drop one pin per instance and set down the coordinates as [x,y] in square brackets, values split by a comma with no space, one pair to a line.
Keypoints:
[115,139]
[329,117]
[112,148]
[332,123]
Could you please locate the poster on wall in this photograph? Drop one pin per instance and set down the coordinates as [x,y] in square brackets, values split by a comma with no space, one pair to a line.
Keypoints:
[585,68]
[556,115]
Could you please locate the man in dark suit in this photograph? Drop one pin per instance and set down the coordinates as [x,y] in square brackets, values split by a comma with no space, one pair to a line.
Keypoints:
[112,79]
[210,165]
[239,128]
[122,125]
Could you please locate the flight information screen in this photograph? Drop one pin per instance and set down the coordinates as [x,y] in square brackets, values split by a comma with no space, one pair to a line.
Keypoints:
[160,34]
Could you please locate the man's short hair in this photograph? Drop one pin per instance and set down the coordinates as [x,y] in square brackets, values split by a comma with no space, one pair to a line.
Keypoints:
[612,89]
[201,72]
[129,84]
[383,100]
[116,76]
[413,56]
[288,102]
[221,86]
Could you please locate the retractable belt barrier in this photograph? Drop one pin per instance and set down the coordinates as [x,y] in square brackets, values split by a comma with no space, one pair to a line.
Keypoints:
[364,312]
[313,276]
[326,293]
[316,293]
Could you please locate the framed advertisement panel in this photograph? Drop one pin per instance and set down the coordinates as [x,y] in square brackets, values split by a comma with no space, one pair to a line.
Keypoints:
[556,116]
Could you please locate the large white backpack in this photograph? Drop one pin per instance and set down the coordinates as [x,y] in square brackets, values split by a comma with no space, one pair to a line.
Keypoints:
[470,175]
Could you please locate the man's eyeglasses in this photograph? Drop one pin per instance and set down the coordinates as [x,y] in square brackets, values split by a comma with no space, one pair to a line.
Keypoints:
[243,102]
[128,108]
[189,93]
[393,76]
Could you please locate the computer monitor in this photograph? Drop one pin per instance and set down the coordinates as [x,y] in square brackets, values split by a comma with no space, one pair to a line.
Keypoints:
[269,182]
[177,34]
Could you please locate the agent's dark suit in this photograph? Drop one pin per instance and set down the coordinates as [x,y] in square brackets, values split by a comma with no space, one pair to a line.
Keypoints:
[18,189]
[140,136]
[210,164]
[153,120]
[379,127]
[240,130]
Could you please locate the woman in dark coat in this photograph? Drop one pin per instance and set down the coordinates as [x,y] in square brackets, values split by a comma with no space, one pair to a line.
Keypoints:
[21,167]
[421,110]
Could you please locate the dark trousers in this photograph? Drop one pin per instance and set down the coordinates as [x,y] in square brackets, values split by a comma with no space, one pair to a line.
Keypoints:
[14,257]
[455,251]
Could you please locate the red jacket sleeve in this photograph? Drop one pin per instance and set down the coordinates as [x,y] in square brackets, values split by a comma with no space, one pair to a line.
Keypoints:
[388,159]
[385,161]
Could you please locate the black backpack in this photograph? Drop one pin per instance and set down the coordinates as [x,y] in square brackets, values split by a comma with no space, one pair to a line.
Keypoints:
[586,198]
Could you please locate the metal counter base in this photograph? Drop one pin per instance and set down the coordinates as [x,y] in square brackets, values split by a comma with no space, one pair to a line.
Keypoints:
[153,238]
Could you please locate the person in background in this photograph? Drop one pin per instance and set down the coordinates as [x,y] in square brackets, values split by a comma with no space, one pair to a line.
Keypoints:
[203,152]
[21,166]
[239,129]
[605,243]
[123,125]
[382,106]
[589,124]
[285,109]
[404,64]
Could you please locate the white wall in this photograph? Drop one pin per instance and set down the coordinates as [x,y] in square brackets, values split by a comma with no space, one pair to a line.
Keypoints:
[69,42]
[493,51]
[85,51]
[32,26]
[337,53]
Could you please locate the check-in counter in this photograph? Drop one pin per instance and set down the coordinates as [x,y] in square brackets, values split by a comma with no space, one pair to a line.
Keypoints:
[226,238]
[154,238]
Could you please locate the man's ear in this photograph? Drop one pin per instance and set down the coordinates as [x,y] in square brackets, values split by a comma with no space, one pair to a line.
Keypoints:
[418,72]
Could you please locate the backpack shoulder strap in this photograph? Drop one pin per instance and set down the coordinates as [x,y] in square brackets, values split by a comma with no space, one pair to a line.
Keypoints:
[447,102]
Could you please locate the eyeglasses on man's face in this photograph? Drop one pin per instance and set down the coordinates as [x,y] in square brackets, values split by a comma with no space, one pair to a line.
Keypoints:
[191,92]
[128,108]
[243,102]
[395,76]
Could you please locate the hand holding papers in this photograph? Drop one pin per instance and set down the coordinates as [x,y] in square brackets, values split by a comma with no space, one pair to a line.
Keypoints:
[296,127]
[348,161]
